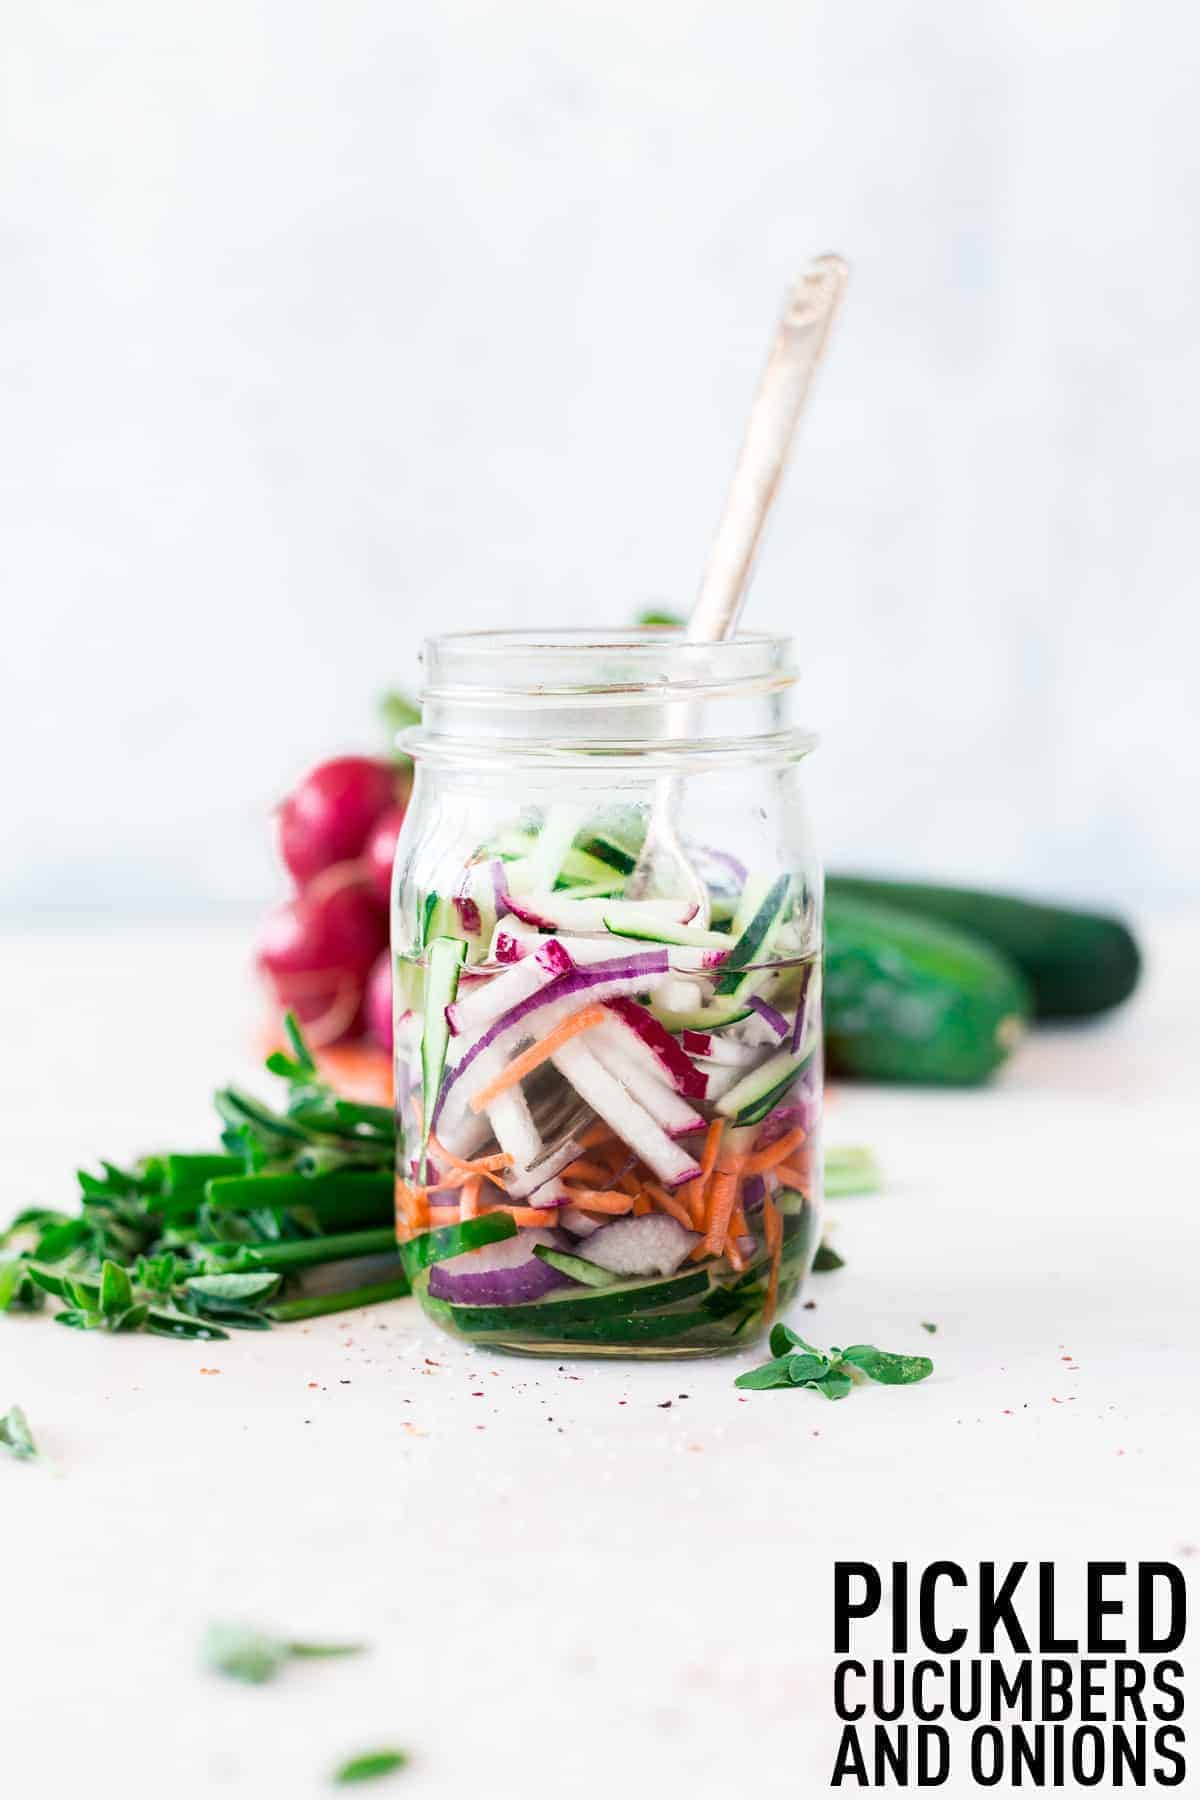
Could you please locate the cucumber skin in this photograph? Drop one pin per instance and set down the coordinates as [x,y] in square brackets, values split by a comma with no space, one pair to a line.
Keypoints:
[1077,963]
[910,1000]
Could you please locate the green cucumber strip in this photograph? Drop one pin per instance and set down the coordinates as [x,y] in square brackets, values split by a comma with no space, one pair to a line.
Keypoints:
[643,1296]
[638,1329]
[851,1171]
[589,1273]
[754,941]
[757,1093]
[606,848]
[703,1018]
[625,918]
[446,958]
[593,890]
[580,867]
[451,1240]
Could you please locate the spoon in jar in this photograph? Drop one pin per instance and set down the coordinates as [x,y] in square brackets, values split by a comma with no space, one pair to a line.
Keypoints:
[800,340]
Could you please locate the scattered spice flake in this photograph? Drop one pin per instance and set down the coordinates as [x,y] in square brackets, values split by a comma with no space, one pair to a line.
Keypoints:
[314,1384]
[432,1364]
[1008,1412]
[477,1393]
[810,1306]
[210,1371]
[699,1447]
[929,1326]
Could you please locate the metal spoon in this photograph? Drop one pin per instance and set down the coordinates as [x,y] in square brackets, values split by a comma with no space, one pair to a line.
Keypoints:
[800,340]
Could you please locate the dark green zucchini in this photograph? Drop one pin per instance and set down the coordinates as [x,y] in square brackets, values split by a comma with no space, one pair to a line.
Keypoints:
[1077,963]
[910,1000]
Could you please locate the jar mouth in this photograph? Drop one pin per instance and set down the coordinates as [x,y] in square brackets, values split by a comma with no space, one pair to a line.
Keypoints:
[643,697]
[639,666]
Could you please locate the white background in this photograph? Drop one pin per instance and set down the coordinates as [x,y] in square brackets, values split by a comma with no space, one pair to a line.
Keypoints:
[329,325]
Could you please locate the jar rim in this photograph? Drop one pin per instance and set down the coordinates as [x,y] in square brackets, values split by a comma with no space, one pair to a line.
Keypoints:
[638,665]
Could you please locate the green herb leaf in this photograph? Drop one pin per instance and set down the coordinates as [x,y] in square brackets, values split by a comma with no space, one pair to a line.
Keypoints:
[246,1654]
[250,1286]
[370,1764]
[772,1374]
[659,615]
[783,1339]
[15,1434]
[835,1386]
[927,1325]
[885,1367]
[116,1289]
[799,1364]
[826,1260]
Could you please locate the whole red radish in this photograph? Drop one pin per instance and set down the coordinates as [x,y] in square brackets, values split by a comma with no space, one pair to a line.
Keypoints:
[377,1004]
[328,818]
[381,850]
[317,951]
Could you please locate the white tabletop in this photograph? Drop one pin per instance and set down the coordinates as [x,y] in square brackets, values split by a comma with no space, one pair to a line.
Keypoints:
[583,1579]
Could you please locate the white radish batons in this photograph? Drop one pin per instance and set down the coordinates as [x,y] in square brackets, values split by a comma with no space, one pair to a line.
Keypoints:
[627,1117]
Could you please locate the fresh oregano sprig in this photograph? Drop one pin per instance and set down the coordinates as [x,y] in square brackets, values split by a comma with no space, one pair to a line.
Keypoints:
[796,1363]
[245,1653]
[15,1434]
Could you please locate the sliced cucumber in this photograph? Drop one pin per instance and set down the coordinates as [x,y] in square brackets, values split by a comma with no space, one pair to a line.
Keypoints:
[446,958]
[451,1240]
[629,918]
[754,941]
[589,1273]
[759,1092]
[552,1313]
[581,868]
[711,1017]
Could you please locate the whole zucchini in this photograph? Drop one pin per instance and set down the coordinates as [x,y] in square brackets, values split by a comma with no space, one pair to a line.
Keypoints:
[910,1000]
[1077,963]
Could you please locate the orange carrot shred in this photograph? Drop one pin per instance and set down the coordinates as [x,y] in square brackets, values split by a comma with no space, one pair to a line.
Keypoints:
[778,1152]
[794,1177]
[469,1204]
[673,1204]
[583,1170]
[479,1165]
[524,1215]
[536,1055]
[721,1202]
[773,1231]
[595,1135]
[641,1206]
[595,1200]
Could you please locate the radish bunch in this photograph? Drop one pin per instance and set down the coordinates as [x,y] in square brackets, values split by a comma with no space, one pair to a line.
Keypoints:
[324,951]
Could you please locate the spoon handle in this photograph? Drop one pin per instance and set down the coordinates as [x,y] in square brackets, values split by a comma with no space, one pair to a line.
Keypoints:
[800,340]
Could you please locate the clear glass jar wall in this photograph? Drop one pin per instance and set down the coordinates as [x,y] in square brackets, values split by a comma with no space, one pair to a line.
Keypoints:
[608,1055]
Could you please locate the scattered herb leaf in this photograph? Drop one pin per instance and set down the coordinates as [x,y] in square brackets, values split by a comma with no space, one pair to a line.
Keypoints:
[795,1363]
[247,1654]
[826,1260]
[371,1764]
[15,1434]
[929,1326]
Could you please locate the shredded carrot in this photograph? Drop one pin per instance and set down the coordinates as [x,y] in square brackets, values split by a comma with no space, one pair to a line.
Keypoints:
[778,1152]
[597,1201]
[595,1135]
[469,1204]
[413,1203]
[693,1194]
[738,1228]
[536,1055]
[794,1177]
[524,1215]
[479,1165]
[722,1199]
[773,1231]
[641,1206]
[583,1170]
[444,1215]
[628,1182]
[673,1204]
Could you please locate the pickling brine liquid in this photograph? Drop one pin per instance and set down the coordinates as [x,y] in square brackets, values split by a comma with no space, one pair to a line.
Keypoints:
[608,1075]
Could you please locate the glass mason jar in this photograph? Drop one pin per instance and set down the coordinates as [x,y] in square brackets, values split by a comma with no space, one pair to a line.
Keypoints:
[606,922]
